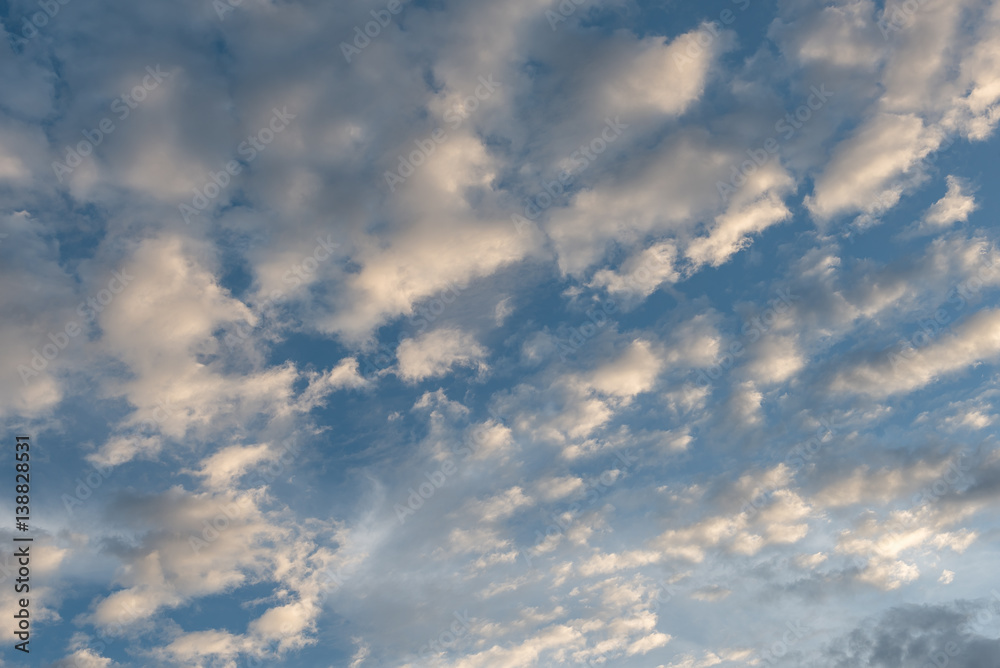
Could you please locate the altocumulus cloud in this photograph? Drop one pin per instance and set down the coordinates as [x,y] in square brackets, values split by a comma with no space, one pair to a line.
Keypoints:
[519,333]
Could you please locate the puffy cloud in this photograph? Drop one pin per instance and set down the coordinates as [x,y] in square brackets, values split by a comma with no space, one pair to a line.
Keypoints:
[581,481]
[633,372]
[973,341]
[954,207]
[865,170]
[757,206]
[435,353]
[640,275]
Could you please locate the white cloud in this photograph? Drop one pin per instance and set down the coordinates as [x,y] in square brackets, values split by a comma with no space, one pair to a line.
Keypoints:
[954,207]
[362,653]
[633,372]
[757,206]
[227,465]
[640,275]
[864,170]
[436,353]
[973,341]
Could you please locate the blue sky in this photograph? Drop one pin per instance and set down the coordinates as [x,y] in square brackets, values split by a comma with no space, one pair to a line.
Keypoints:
[516,333]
